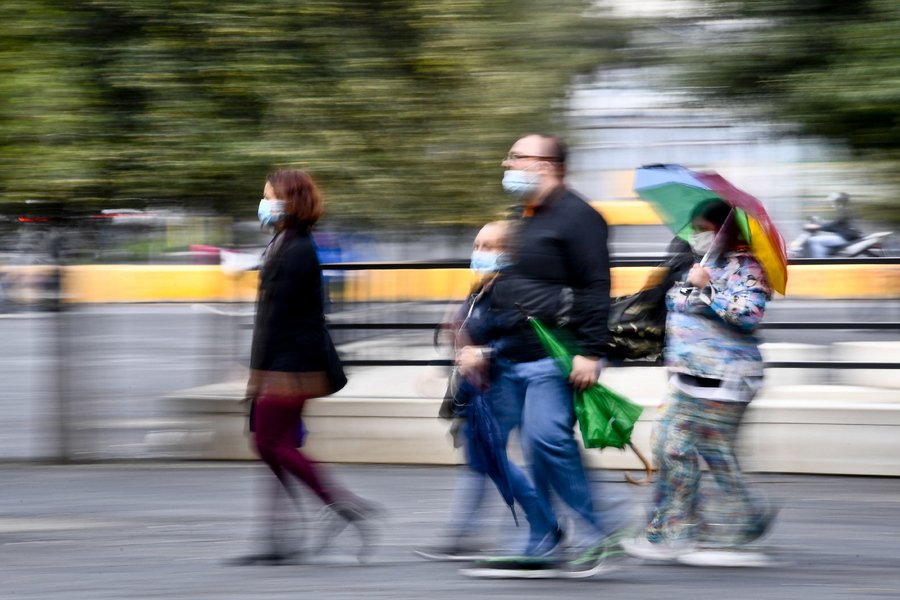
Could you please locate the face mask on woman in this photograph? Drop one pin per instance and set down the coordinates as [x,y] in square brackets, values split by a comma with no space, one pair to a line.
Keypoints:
[270,212]
[702,241]
[484,262]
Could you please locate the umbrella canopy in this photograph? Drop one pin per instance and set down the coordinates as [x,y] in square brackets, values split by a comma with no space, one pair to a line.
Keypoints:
[675,192]
[605,418]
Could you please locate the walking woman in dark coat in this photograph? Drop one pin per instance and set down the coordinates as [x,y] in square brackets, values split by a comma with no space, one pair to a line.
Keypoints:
[293,358]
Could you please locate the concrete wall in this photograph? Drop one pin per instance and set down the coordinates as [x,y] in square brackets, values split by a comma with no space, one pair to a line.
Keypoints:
[796,425]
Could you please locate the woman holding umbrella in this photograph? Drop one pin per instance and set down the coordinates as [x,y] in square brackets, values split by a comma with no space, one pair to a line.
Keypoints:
[715,371]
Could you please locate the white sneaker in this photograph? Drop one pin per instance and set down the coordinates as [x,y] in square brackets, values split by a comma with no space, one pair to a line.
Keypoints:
[662,551]
[724,558]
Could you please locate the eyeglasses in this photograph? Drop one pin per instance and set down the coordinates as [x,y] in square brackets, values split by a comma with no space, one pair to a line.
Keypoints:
[516,156]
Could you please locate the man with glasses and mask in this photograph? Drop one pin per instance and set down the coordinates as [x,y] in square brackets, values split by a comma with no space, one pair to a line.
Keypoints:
[559,272]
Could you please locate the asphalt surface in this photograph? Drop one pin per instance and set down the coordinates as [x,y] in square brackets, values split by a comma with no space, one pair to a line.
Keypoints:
[167,531]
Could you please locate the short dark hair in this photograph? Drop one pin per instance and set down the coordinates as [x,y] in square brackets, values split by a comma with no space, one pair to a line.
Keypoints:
[713,210]
[716,212]
[303,204]
[558,149]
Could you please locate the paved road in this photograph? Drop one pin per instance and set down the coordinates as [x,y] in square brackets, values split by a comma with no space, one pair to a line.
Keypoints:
[162,531]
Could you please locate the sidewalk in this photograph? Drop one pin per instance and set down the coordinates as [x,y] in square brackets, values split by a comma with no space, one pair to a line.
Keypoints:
[162,531]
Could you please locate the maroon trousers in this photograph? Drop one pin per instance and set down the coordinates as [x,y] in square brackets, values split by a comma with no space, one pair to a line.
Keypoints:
[276,422]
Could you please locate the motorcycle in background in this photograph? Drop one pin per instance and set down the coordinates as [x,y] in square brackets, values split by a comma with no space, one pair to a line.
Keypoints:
[867,245]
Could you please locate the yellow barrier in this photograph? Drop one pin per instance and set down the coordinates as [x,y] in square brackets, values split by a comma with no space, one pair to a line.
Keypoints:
[156,283]
[93,284]
[840,281]
[627,212]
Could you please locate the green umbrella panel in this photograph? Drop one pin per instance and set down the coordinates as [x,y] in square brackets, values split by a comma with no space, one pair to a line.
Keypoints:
[676,202]
[605,417]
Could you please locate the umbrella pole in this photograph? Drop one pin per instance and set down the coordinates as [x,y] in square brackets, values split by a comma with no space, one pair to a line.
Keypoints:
[687,290]
[728,221]
[648,468]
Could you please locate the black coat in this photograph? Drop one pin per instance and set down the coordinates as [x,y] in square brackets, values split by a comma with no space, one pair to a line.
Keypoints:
[289,331]
[560,274]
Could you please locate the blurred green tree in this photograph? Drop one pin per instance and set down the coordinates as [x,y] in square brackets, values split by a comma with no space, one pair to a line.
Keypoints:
[401,109]
[831,66]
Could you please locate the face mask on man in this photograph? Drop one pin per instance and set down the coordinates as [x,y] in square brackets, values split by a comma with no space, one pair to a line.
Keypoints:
[702,241]
[485,262]
[270,212]
[520,184]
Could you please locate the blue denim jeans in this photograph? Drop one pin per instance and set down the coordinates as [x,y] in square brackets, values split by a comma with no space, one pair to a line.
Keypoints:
[540,520]
[537,398]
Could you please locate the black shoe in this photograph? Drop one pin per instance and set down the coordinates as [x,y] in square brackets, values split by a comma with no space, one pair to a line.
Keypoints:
[264,559]
[515,567]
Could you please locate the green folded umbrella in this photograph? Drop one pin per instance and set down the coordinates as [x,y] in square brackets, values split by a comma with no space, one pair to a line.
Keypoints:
[605,417]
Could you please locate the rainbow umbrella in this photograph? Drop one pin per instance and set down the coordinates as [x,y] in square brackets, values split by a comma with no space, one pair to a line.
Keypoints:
[674,192]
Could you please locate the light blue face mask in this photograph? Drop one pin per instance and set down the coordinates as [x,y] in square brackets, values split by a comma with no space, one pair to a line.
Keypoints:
[270,212]
[520,184]
[484,262]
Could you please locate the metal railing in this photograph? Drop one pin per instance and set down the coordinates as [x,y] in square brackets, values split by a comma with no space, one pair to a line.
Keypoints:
[639,261]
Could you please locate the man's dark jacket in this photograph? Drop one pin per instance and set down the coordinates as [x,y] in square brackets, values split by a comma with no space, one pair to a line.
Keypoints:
[560,274]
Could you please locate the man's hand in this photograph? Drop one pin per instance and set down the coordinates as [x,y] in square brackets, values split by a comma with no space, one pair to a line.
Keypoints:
[585,372]
[471,360]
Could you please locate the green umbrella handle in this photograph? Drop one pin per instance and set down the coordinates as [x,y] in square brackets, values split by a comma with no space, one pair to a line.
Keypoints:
[648,468]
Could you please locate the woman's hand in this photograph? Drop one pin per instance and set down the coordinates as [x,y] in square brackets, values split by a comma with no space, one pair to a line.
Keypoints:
[471,360]
[698,276]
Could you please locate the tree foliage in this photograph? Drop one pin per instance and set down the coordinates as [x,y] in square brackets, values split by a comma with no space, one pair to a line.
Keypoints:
[830,65]
[401,109]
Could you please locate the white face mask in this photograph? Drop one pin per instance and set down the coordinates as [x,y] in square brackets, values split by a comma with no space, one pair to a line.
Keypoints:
[702,241]
[520,184]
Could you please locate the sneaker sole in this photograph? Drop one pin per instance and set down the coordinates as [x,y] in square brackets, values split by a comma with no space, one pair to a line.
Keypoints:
[655,555]
[601,569]
[648,557]
[720,558]
[488,573]
[437,556]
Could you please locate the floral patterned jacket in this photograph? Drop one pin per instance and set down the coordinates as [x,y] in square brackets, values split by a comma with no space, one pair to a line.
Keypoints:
[709,332]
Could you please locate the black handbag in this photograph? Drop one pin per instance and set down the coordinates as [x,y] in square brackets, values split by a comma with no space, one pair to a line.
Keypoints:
[449,408]
[637,325]
[334,368]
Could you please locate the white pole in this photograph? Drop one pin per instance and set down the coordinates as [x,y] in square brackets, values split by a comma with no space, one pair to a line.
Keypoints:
[715,242]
